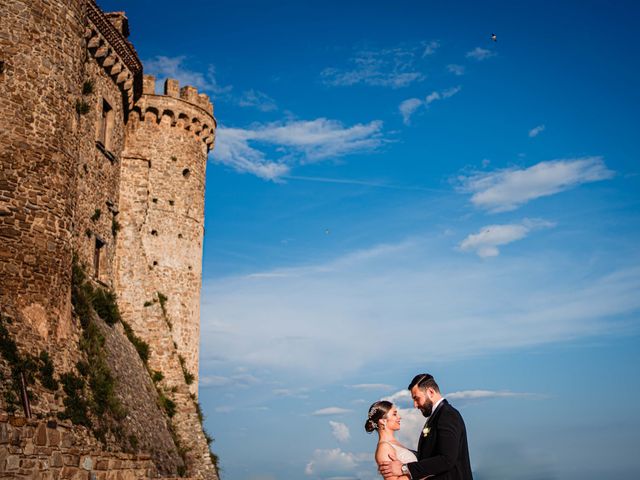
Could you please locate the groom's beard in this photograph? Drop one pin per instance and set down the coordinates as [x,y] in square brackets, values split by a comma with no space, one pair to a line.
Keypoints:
[427,409]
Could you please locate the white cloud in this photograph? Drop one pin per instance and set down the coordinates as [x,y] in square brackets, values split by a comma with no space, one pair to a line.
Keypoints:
[302,392]
[412,420]
[455,69]
[432,97]
[471,395]
[411,423]
[330,411]
[372,386]
[408,108]
[214,381]
[401,397]
[174,67]
[411,105]
[327,463]
[441,95]
[486,242]
[430,48]
[507,189]
[391,67]
[296,142]
[224,409]
[424,290]
[242,380]
[257,99]
[340,431]
[480,54]
[534,132]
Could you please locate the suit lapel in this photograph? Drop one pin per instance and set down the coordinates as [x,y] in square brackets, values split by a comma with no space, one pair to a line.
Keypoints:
[424,444]
[434,415]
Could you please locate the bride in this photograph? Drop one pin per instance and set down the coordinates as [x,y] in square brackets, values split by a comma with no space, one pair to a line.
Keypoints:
[384,417]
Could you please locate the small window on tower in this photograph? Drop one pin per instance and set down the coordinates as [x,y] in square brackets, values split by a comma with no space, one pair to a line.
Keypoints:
[105,124]
[97,253]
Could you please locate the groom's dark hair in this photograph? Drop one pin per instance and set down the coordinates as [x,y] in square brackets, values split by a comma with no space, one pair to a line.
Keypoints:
[424,381]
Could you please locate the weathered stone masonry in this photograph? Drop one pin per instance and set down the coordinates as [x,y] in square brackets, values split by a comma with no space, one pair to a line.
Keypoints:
[94,162]
[159,249]
[42,47]
[49,450]
[162,203]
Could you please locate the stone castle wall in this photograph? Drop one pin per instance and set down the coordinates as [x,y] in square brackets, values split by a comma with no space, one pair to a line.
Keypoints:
[162,196]
[42,52]
[159,249]
[145,176]
[98,171]
[52,450]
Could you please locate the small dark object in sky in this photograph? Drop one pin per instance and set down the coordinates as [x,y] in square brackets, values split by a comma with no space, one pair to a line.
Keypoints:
[494,37]
[327,231]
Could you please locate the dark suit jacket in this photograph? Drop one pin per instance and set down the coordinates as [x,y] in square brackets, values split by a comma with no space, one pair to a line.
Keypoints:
[443,453]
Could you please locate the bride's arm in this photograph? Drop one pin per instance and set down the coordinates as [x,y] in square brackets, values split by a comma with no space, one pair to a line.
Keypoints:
[385,453]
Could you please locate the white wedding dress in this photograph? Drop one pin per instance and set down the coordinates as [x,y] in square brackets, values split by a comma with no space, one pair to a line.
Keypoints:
[403,454]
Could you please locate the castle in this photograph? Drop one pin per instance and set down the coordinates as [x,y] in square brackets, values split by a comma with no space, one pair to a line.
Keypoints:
[99,169]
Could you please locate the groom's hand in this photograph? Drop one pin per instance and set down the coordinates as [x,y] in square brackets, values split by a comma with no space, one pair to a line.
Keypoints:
[391,468]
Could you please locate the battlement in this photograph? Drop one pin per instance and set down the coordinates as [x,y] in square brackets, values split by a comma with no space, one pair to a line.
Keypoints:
[106,40]
[120,21]
[176,107]
[172,89]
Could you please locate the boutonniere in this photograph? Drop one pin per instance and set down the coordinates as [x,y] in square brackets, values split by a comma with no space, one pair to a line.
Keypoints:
[425,431]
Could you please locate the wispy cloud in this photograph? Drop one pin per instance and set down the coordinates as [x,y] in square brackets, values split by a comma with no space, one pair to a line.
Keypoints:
[175,67]
[390,67]
[476,395]
[508,189]
[242,380]
[295,142]
[430,48]
[534,132]
[413,421]
[456,69]
[412,105]
[245,321]
[486,242]
[372,386]
[441,95]
[257,99]
[330,411]
[408,107]
[340,431]
[224,409]
[480,54]
[302,392]
[401,397]
[333,462]
[365,183]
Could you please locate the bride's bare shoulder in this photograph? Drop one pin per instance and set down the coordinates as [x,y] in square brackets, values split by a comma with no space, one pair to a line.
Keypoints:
[383,451]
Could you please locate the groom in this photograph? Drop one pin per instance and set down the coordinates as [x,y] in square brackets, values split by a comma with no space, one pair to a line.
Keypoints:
[442,449]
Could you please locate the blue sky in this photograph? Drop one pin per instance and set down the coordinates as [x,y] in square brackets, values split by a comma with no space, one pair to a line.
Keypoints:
[392,192]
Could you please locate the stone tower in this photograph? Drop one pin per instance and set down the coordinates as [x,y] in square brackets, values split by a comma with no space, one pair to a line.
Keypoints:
[94,164]
[38,152]
[159,248]
[159,252]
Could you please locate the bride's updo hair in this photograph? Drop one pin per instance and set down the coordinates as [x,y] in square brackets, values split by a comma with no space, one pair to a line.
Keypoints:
[376,411]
